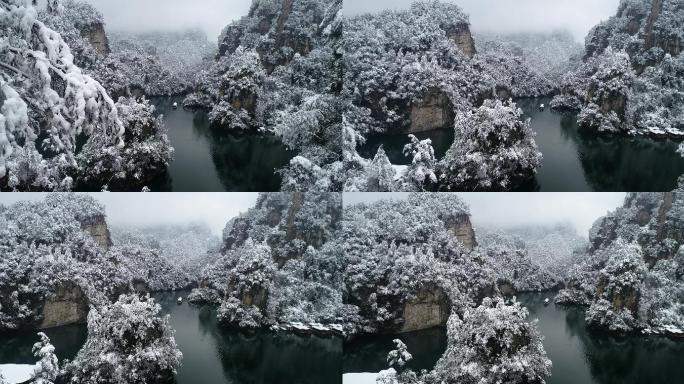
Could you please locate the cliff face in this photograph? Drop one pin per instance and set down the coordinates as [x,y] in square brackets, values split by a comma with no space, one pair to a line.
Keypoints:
[461,36]
[434,111]
[67,305]
[427,309]
[278,25]
[649,23]
[462,228]
[636,265]
[96,35]
[97,228]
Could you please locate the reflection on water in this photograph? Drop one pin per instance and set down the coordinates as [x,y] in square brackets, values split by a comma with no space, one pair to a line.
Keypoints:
[212,159]
[212,355]
[369,354]
[578,355]
[578,161]
[394,145]
[16,348]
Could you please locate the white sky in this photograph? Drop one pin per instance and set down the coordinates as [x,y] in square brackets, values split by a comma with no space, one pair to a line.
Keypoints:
[153,15]
[146,209]
[505,16]
[515,209]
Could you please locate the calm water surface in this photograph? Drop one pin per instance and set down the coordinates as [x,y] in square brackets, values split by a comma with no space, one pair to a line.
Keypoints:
[573,161]
[212,355]
[212,159]
[578,356]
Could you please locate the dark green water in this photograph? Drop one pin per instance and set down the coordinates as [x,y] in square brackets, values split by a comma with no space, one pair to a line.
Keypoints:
[574,161]
[393,145]
[213,159]
[212,355]
[578,356]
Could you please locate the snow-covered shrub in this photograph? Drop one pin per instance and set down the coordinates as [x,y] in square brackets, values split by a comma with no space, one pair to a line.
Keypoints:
[127,343]
[493,343]
[233,312]
[47,367]
[494,149]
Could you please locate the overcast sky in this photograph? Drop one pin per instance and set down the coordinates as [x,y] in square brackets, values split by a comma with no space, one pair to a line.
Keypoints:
[152,15]
[514,209]
[146,209]
[577,16]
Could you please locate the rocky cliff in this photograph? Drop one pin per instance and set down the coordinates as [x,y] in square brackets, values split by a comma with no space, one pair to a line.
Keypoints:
[96,226]
[66,305]
[634,273]
[279,26]
[648,24]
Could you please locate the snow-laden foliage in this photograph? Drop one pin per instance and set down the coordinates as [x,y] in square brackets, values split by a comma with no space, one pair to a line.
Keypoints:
[554,248]
[280,262]
[527,64]
[45,245]
[632,76]
[632,277]
[416,63]
[156,64]
[494,149]
[59,127]
[47,367]
[128,342]
[511,258]
[398,357]
[49,245]
[168,257]
[396,251]
[493,343]
[279,70]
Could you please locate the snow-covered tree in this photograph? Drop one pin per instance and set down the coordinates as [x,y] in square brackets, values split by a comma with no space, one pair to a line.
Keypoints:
[47,367]
[397,358]
[493,343]
[495,149]
[127,343]
[58,125]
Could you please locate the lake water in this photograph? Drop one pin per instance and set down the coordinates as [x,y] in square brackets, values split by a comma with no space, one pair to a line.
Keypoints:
[212,355]
[574,161]
[578,356]
[214,159]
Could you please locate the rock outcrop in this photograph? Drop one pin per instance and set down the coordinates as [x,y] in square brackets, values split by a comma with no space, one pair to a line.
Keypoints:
[461,36]
[67,305]
[428,308]
[97,228]
[462,228]
[96,35]
[434,111]
[271,19]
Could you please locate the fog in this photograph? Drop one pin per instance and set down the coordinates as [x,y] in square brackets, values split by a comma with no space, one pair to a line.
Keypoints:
[149,209]
[517,209]
[211,16]
[506,16]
